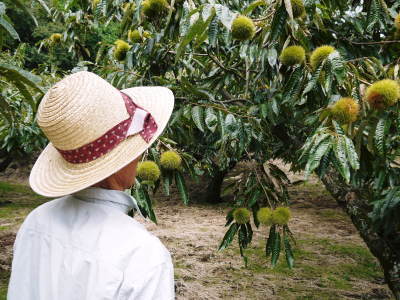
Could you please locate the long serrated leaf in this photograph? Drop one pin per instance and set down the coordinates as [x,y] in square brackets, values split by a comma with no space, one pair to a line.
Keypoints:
[254,197]
[211,120]
[225,15]
[198,117]
[351,153]
[228,237]
[213,31]
[242,237]
[313,142]
[278,22]
[270,241]
[144,201]
[380,134]
[196,29]
[339,148]
[9,28]
[15,73]
[276,249]
[180,183]
[150,211]
[314,79]
[253,5]
[288,252]
[44,5]
[315,157]
[249,232]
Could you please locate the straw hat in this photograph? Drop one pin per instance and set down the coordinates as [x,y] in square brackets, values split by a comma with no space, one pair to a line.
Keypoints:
[80,109]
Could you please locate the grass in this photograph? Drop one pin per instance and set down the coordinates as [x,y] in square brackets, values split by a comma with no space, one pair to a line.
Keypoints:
[17,200]
[323,265]
[332,214]
[4,275]
[3,292]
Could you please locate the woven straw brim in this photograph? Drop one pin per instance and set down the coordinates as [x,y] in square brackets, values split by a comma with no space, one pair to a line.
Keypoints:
[52,176]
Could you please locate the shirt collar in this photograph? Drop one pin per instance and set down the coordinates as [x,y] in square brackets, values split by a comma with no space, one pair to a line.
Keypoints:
[117,199]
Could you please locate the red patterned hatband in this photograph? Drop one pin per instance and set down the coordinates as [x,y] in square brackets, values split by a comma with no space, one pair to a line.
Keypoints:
[139,121]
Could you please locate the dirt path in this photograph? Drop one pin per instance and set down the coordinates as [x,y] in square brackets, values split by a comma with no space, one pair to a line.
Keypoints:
[331,260]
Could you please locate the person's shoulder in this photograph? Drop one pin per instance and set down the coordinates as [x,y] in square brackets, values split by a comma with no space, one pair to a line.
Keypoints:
[131,244]
[40,211]
[149,253]
[133,232]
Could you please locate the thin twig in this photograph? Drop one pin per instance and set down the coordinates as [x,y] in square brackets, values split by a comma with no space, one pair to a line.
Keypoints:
[373,43]
[214,59]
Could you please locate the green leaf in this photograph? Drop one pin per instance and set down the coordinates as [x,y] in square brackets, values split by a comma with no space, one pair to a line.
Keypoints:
[195,30]
[213,30]
[293,85]
[337,67]
[211,119]
[198,117]
[276,249]
[225,15]
[270,241]
[167,180]
[25,92]
[144,201]
[288,252]
[249,232]
[229,217]
[351,153]
[231,124]
[380,134]
[314,79]
[253,5]
[254,197]
[242,237]
[278,22]
[339,148]
[14,73]
[5,109]
[313,142]
[180,183]
[222,125]
[44,5]
[229,235]
[22,6]
[9,28]
[315,157]
[272,57]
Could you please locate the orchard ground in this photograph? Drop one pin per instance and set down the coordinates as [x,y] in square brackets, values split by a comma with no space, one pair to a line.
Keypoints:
[332,262]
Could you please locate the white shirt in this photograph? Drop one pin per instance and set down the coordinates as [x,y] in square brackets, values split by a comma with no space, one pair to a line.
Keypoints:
[85,247]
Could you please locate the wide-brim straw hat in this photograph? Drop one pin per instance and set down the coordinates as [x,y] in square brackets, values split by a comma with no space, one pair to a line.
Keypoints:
[80,109]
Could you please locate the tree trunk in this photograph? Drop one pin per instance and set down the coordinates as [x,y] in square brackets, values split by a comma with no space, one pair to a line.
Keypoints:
[213,192]
[356,204]
[5,163]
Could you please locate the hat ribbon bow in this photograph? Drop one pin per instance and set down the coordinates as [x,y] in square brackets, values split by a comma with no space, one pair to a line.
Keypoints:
[139,121]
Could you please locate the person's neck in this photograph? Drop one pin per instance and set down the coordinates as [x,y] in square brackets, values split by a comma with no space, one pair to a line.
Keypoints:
[109,184]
